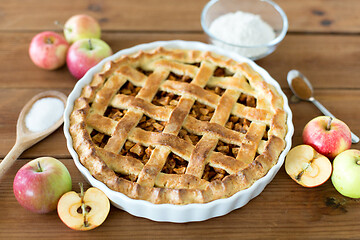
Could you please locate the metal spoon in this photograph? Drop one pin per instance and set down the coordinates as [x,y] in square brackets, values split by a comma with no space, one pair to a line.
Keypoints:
[294,74]
[26,138]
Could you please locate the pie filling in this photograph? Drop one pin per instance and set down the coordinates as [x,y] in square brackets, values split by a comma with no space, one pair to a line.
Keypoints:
[175,164]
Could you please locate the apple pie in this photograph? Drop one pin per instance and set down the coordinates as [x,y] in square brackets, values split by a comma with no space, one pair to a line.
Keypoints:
[178,126]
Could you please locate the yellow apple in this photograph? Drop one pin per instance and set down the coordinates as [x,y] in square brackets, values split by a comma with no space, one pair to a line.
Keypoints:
[81,26]
[346,174]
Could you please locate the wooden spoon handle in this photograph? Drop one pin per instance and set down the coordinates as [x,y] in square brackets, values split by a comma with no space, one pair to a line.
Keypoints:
[10,158]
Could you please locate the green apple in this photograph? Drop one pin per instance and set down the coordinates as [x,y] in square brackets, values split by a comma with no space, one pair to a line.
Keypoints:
[80,27]
[346,173]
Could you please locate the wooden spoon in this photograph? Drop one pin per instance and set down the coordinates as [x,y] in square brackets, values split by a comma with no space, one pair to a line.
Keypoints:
[26,138]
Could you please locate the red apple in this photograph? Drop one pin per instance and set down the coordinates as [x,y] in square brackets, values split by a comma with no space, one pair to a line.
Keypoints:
[40,183]
[81,26]
[48,50]
[84,54]
[307,167]
[329,136]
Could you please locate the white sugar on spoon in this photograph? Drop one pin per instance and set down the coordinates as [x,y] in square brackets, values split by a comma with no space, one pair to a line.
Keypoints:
[44,113]
[41,116]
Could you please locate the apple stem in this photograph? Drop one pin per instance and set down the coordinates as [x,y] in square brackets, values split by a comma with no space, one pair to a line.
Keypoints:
[329,124]
[39,167]
[57,23]
[90,44]
[81,185]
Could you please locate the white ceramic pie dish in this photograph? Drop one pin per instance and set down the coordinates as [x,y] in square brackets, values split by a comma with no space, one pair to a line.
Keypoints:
[170,212]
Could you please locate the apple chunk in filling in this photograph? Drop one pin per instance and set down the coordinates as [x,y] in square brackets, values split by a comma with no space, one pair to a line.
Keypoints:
[307,167]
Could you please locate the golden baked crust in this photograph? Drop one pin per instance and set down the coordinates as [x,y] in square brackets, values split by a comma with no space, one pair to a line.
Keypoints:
[176,140]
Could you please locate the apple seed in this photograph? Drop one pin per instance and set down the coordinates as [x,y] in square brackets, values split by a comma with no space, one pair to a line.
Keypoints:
[87,209]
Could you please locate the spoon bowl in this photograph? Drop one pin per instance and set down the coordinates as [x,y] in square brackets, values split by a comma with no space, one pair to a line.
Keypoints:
[292,74]
[26,138]
[304,85]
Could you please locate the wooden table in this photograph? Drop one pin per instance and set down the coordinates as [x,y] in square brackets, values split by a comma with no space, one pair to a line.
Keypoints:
[323,42]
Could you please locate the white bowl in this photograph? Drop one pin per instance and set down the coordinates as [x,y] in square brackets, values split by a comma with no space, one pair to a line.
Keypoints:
[170,212]
[268,10]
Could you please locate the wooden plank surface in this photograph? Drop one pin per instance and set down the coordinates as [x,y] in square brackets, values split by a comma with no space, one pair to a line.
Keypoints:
[160,15]
[323,42]
[284,210]
[314,55]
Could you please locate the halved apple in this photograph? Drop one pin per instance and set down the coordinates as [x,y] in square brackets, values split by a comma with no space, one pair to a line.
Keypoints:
[307,167]
[84,211]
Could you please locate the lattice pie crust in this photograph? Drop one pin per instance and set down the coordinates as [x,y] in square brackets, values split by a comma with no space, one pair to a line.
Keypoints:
[178,126]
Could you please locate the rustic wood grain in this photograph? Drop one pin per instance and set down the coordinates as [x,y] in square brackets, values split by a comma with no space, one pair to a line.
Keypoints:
[314,55]
[327,61]
[160,15]
[323,16]
[317,213]
[323,42]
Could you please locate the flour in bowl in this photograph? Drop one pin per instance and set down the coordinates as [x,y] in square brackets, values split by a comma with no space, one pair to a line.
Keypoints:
[242,28]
